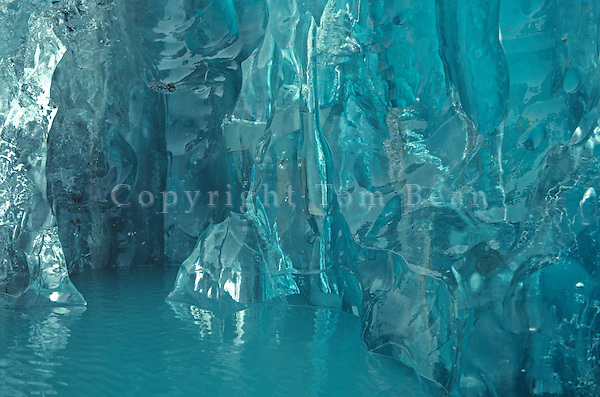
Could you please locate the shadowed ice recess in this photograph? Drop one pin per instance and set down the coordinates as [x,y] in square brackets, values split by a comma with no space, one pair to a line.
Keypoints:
[428,167]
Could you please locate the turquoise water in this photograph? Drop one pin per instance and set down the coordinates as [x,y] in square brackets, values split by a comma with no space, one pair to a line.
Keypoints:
[130,342]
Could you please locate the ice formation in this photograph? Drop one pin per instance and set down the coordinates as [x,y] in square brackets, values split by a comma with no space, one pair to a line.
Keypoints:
[32,265]
[428,166]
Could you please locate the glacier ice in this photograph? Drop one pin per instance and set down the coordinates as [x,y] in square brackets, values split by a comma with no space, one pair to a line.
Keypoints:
[427,166]
[33,267]
[108,132]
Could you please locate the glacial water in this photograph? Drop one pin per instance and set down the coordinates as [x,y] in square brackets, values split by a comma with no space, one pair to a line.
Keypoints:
[130,342]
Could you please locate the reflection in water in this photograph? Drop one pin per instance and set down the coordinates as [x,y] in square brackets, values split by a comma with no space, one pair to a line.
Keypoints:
[268,349]
[30,347]
[130,342]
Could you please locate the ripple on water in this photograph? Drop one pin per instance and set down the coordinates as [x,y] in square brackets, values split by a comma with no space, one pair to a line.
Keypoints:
[130,342]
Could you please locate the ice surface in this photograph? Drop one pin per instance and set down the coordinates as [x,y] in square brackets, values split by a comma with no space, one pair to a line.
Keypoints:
[32,266]
[106,144]
[428,166]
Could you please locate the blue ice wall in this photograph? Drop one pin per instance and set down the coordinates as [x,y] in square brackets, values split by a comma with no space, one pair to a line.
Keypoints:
[107,142]
[427,166]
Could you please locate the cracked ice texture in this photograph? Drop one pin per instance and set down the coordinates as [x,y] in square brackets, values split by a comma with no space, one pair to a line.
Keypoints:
[433,166]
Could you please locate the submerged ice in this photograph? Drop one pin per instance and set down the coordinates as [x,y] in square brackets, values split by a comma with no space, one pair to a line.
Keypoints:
[427,166]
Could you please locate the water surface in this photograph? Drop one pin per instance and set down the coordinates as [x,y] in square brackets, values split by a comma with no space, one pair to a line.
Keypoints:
[130,342]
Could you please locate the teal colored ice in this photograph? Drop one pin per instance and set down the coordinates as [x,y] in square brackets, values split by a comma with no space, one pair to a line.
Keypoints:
[416,179]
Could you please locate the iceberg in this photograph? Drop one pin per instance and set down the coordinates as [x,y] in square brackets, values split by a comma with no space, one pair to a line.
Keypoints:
[429,167]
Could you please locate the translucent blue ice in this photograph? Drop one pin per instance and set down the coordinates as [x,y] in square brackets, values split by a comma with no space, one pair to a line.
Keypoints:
[428,166]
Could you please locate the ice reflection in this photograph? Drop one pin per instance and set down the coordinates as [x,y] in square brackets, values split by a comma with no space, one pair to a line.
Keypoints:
[239,328]
[320,349]
[31,345]
[192,313]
